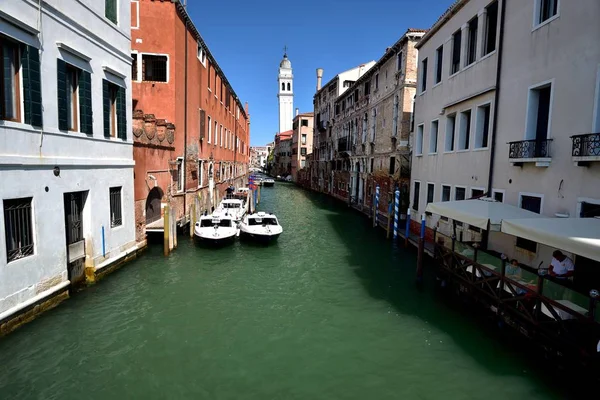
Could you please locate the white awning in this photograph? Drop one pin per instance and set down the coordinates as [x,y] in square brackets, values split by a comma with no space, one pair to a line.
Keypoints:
[579,236]
[479,212]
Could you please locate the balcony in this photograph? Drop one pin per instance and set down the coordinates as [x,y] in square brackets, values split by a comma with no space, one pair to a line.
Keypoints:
[530,151]
[586,149]
[344,146]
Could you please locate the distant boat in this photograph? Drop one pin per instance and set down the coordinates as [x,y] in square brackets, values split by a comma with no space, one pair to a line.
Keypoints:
[260,227]
[216,229]
[269,182]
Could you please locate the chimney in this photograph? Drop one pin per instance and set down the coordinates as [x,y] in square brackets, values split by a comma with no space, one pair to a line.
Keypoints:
[297,111]
[319,77]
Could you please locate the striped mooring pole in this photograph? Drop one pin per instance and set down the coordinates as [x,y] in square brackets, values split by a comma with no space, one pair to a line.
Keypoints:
[376,205]
[396,212]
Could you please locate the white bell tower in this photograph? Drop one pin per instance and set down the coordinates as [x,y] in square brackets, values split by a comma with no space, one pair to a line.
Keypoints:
[285,93]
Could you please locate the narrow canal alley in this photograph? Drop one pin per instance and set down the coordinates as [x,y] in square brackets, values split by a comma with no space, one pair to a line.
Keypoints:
[329,312]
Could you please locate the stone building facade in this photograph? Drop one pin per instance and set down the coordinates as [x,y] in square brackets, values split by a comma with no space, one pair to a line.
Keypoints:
[302,138]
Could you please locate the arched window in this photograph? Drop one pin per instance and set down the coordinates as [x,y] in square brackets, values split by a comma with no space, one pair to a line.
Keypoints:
[282,86]
[289,87]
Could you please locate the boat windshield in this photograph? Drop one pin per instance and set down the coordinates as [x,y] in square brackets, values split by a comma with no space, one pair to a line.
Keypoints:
[226,223]
[205,223]
[262,221]
[231,205]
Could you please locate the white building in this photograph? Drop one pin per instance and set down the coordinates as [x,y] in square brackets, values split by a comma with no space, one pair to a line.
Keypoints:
[285,94]
[66,159]
[454,106]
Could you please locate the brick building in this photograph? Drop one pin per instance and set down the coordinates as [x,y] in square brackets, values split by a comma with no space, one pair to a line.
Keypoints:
[302,138]
[176,78]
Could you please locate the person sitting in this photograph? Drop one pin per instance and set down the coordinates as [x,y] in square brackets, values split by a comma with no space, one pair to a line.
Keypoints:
[561,266]
[513,271]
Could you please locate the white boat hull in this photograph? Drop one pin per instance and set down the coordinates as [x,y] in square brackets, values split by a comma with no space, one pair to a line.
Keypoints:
[263,234]
[215,237]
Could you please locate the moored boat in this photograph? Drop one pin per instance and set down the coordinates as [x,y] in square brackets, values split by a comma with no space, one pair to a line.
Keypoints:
[260,227]
[269,182]
[235,207]
[216,229]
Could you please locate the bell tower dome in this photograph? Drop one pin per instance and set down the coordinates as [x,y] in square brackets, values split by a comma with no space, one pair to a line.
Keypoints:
[285,93]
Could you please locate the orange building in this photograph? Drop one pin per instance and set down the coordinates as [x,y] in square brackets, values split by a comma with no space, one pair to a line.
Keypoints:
[176,79]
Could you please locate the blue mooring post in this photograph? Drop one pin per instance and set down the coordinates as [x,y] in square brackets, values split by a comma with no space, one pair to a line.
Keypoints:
[376,205]
[421,250]
[396,208]
[407,232]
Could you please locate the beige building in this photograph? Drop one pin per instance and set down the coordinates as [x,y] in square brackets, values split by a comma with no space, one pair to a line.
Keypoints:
[302,141]
[454,106]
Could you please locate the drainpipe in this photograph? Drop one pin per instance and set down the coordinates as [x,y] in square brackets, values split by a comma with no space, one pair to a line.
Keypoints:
[496,97]
[185,103]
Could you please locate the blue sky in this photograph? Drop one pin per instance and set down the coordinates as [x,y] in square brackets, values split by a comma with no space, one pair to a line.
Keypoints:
[247,40]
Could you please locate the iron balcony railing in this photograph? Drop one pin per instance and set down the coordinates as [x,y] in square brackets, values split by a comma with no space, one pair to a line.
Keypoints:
[529,149]
[587,145]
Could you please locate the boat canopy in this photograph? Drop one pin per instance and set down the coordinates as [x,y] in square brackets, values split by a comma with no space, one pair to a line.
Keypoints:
[479,212]
[579,236]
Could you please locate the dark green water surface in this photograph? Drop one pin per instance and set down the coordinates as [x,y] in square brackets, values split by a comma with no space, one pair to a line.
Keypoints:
[329,312]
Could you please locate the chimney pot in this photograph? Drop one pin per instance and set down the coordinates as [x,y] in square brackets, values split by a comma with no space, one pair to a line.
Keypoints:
[319,77]
[297,111]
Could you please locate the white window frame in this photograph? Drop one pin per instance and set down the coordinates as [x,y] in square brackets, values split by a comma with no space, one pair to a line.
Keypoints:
[460,115]
[181,176]
[453,115]
[442,193]
[427,193]
[536,24]
[477,127]
[137,14]
[209,139]
[437,63]
[494,191]
[459,187]
[540,195]
[585,200]
[141,61]
[423,75]
[475,188]
[419,144]
[200,173]
[412,194]
[531,117]
[201,54]
[437,135]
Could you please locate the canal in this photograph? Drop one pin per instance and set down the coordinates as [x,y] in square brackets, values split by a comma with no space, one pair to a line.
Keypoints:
[330,312]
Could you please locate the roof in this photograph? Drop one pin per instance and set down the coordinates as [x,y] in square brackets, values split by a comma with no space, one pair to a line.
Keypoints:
[579,236]
[285,133]
[445,17]
[389,53]
[336,77]
[182,11]
[479,212]
[285,63]
[306,114]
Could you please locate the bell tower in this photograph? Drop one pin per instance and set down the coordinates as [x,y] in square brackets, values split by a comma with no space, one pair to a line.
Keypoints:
[285,93]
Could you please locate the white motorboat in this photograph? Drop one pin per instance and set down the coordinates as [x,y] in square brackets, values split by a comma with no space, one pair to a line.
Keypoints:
[269,182]
[235,207]
[261,227]
[216,229]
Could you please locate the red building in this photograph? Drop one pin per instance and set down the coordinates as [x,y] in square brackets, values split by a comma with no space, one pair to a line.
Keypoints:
[177,80]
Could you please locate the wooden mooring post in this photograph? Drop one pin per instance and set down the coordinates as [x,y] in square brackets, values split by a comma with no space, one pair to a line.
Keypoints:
[420,254]
[166,227]
[192,218]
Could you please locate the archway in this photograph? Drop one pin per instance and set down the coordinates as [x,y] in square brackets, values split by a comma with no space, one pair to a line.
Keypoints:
[153,205]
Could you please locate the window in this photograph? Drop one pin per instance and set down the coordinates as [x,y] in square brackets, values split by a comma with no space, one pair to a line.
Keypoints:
[200,173]
[482,130]
[446,192]
[110,10]
[491,26]
[303,139]
[430,192]
[419,141]
[538,113]
[71,80]
[376,81]
[201,54]
[10,102]
[433,137]
[399,62]
[476,193]
[546,9]
[115,111]
[392,170]
[302,163]
[439,57]
[304,122]
[472,42]
[222,140]
[216,133]
[209,129]
[289,88]
[460,193]
[372,165]
[499,196]
[450,126]
[455,61]
[534,204]
[303,151]
[367,87]
[423,75]
[356,96]
[282,86]
[465,130]
[134,66]
[74,102]
[154,68]
[18,228]
[416,190]
[179,175]
[115,207]
[373,124]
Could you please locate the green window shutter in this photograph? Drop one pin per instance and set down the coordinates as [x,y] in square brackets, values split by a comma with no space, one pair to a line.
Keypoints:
[121,114]
[110,10]
[61,82]
[106,107]
[32,86]
[85,102]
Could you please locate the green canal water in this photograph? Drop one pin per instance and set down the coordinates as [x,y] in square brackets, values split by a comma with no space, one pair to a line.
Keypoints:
[329,312]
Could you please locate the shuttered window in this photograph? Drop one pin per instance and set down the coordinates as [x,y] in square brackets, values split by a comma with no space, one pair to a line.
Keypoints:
[114,110]
[85,102]
[74,92]
[110,10]
[9,82]
[32,86]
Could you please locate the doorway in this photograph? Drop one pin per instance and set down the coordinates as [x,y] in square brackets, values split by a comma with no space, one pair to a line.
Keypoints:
[73,205]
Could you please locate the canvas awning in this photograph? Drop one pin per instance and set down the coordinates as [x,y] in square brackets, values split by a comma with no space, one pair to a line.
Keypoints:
[479,212]
[579,236]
